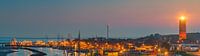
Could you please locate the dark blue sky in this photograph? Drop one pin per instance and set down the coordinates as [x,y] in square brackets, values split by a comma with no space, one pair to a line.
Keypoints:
[127,18]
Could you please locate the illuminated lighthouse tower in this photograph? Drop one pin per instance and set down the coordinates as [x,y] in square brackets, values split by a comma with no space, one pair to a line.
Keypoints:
[182,28]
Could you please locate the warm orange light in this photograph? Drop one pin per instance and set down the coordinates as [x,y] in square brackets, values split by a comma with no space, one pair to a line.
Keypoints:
[182,28]
[182,18]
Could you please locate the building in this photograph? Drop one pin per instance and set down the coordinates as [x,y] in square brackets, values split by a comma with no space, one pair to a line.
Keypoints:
[182,28]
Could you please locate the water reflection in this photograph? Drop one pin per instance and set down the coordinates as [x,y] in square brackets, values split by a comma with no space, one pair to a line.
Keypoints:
[21,53]
[48,51]
[51,51]
[14,54]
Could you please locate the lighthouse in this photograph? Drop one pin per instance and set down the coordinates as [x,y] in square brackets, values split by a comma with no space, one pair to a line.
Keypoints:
[182,28]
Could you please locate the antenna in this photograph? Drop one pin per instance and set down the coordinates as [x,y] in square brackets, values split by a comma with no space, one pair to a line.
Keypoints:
[79,35]
[62,37]
[107,31]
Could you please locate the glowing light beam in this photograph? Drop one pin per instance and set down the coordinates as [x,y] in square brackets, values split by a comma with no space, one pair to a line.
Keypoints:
[182,18]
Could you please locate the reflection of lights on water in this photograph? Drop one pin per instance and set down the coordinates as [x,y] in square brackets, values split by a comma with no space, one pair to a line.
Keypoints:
[25,53]
[14,54]
[64,52]
[51,51]
[40,49]
[29,53]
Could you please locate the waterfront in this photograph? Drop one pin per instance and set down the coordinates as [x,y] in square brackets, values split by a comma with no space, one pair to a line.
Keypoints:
[49,51]
[93,46]
[110,49]
[155,44]
[23,52]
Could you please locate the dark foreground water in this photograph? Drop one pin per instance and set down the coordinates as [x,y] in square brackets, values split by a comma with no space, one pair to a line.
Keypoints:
[22,52]
[48,51]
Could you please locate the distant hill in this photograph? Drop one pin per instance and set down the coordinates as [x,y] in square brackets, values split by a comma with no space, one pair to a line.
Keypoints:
[172,38]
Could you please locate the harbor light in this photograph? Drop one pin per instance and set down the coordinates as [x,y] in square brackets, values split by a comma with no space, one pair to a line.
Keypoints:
[182,18]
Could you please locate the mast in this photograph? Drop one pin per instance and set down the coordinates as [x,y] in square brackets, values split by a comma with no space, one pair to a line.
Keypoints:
[107,31]
[58,37]
[47,37]
[79,37]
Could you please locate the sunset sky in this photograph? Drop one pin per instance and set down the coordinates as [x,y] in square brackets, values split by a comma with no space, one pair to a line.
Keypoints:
[127,18]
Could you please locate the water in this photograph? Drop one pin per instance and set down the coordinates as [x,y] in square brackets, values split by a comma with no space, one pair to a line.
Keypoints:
[5,39]
[48,51]
[8,39]
[22,52]
[51,52]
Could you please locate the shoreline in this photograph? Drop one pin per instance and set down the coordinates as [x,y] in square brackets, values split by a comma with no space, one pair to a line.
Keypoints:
[8,50]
